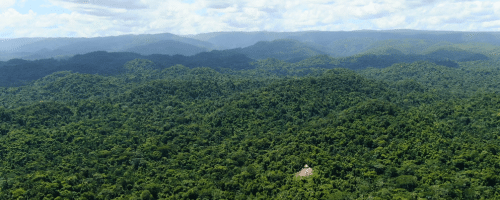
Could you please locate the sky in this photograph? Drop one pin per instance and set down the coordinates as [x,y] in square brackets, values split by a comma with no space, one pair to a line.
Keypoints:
[99,18]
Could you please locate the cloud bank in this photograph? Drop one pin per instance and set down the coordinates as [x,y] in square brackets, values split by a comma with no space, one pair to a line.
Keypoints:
[98,18]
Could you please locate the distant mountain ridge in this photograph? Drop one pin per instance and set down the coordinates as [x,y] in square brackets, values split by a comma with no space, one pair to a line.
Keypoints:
[283,49]
[335,40]
[54,47]
[169,47]
[287,52]
[18,71]
[444,56]
[332,43]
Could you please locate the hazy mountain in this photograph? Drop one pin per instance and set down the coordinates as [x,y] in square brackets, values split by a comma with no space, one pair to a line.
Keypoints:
[455,54]
[337,44]
[303,56]
[47,53]
[231,40]
[446,57]
[348,43]
[19,71]
[55,47]
[6,55]
[9,45]
[283,49]
[169,47]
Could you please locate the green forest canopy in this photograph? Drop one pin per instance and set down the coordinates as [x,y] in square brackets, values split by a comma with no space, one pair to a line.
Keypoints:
[407,131]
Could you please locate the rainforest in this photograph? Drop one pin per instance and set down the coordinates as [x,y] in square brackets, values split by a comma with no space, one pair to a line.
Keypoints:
[395,119]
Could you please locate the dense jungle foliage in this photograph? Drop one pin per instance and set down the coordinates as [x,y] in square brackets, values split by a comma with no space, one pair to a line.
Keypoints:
[416,130]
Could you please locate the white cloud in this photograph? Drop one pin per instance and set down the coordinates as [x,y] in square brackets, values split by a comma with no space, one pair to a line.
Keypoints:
[125,4]
[7,3]
[113,17]
[495,23]
[391,22]
[12,18]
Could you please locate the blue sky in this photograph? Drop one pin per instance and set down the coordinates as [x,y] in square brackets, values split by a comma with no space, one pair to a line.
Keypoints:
[42,7]
[97,18]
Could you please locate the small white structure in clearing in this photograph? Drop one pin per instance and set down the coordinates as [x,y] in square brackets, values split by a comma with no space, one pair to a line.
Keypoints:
[306,171]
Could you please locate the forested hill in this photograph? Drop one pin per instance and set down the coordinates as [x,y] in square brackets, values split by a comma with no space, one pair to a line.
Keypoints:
[390,56]
[297,55]
[408,131]
[17,72]
[286,50]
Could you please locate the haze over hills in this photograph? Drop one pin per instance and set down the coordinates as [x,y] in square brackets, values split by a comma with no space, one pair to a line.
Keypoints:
[336,44]
[272,57]
[335,40]
[72,46]
[283,49]
[168,47]
[16,72]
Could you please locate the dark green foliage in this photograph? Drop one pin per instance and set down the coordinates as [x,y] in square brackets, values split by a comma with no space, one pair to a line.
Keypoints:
[407,182]
[408,131]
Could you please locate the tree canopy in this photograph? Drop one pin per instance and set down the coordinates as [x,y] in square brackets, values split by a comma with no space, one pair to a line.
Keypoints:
[416,130]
